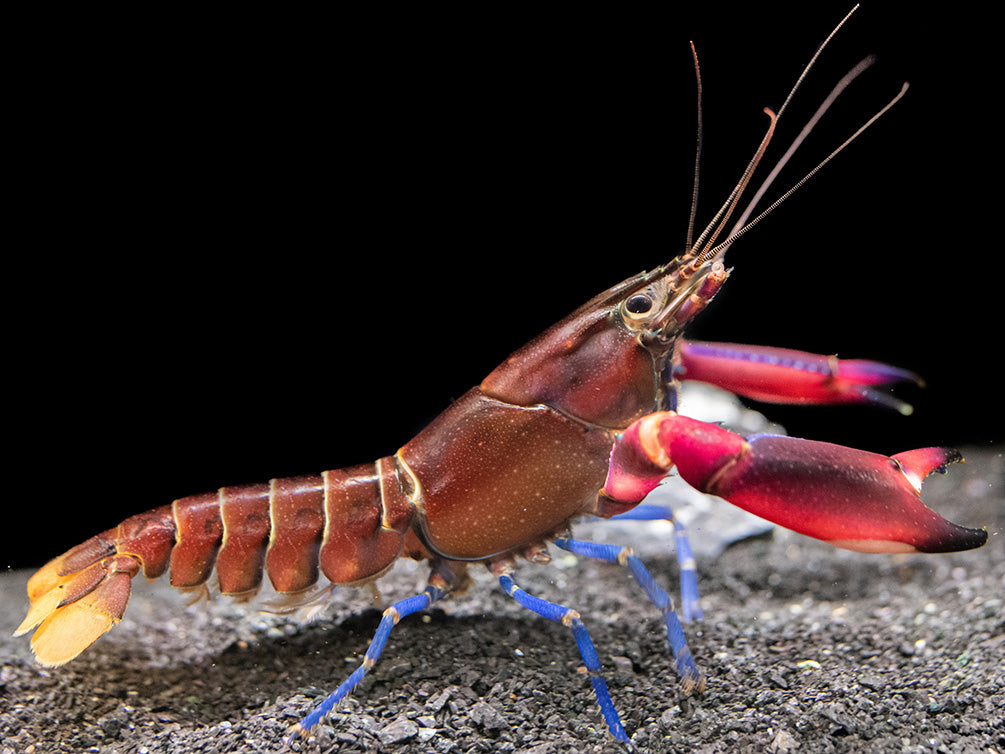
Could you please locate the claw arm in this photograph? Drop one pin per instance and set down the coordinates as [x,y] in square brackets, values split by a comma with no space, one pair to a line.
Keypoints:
[782,375]
[851,498]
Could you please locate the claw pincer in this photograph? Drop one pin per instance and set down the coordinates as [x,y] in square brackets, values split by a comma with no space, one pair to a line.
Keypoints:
[850,498]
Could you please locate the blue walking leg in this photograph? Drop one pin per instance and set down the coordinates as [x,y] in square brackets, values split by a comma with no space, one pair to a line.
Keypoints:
[392,615]
[686,668]
[570,618]
[685,558]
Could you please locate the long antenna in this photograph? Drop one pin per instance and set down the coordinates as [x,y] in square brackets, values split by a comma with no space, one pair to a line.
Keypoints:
[706,241]
[697,154]
[824,106]
[721,248]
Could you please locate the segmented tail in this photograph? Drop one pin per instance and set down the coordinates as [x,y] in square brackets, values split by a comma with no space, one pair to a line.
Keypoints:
[348,524]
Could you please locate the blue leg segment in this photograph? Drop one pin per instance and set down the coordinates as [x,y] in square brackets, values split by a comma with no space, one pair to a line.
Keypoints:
[570,618]
[685,558]
[392,615]
[686,669]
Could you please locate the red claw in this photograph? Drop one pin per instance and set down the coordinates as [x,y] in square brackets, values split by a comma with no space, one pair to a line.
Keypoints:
[851,498]
[782,375]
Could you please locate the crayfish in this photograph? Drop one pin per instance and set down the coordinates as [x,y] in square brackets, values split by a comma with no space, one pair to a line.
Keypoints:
[580,422]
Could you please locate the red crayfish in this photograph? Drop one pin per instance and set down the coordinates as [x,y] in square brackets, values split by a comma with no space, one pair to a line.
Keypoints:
[581,421]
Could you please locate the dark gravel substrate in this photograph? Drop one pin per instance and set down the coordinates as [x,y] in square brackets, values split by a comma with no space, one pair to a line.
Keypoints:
[806,648]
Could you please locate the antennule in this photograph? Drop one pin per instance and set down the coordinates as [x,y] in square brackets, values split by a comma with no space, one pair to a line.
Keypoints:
[710,253]
[697,154]
[734,198]
[810,124]
[708,236]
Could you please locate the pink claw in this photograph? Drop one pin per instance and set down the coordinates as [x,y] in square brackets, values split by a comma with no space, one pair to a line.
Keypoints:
[782,375]
[851,498]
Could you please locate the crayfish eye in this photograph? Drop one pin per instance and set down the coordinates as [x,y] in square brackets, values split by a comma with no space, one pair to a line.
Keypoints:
[639,304]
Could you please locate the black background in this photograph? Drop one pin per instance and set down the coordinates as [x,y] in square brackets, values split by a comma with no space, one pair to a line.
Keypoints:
[259,246]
